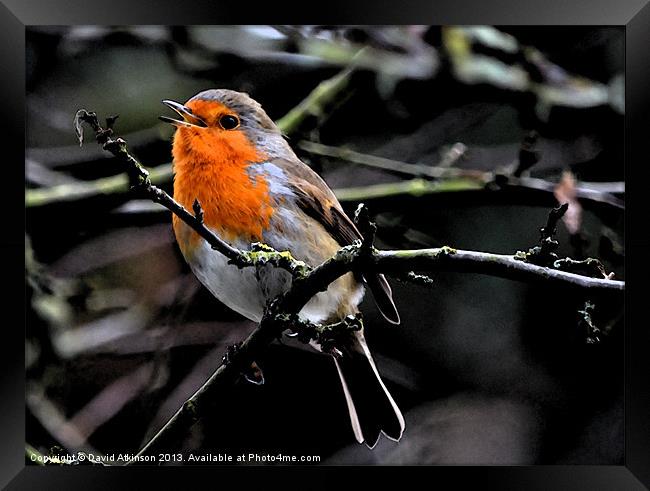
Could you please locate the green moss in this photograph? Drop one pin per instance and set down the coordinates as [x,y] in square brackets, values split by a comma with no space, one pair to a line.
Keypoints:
[446,250]
[414,187]
[262,254]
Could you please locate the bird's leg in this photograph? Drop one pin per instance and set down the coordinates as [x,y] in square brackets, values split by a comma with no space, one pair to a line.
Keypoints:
[254,374]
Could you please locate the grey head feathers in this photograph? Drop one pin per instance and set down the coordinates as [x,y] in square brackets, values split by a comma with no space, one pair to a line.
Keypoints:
[250,112]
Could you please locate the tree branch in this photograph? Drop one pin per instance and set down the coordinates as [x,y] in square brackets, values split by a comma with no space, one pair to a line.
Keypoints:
[281,314]
[279,317]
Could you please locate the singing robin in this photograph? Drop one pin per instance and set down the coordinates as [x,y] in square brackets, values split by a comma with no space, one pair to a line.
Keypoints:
[232,157]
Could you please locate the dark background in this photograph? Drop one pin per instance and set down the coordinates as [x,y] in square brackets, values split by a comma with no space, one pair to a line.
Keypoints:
[486,370]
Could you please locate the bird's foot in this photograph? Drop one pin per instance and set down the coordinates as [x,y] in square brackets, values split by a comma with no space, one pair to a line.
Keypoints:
[252,374]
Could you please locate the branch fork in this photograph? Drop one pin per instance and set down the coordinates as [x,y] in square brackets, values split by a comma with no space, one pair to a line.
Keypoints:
[545,253]
[282,313]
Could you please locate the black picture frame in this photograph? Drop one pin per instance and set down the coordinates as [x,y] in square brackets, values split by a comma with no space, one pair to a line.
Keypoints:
[15,15]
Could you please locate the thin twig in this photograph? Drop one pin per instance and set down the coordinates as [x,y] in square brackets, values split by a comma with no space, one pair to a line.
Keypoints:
[325,92]
[78,190]
[501,265]
[314,103]
[451,178]
[545,253]
[392,165]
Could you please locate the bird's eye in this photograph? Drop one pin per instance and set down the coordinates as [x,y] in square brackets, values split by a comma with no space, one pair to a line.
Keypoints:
[229,122]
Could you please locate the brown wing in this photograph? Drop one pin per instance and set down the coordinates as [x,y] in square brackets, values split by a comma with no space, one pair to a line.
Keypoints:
[318,201]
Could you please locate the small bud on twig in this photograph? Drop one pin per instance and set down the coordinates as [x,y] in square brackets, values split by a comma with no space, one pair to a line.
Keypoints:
[198,210]
[110,121]
[528,155]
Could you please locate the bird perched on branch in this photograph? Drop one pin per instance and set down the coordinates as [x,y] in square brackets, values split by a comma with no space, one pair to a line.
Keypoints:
[232,158]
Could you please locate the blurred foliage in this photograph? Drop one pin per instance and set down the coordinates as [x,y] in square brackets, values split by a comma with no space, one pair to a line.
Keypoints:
[461,136]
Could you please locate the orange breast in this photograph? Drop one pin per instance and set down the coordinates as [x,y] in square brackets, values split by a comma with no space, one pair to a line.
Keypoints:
[213,168]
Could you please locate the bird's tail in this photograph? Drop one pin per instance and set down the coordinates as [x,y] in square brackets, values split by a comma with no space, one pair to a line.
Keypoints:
[372,409]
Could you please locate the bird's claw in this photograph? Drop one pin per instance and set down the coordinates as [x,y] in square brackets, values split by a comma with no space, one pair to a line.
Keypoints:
[253,374]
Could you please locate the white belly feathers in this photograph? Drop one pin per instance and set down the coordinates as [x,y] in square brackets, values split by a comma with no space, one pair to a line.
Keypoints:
[240,289]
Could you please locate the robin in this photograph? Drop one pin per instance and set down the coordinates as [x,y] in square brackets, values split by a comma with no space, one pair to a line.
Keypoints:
[232,157]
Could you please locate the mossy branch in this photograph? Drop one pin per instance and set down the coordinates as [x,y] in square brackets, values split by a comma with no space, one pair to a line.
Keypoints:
[34,455]
[281,313]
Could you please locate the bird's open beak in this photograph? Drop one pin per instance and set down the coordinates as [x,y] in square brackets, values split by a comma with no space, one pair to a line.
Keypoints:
[189,119]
